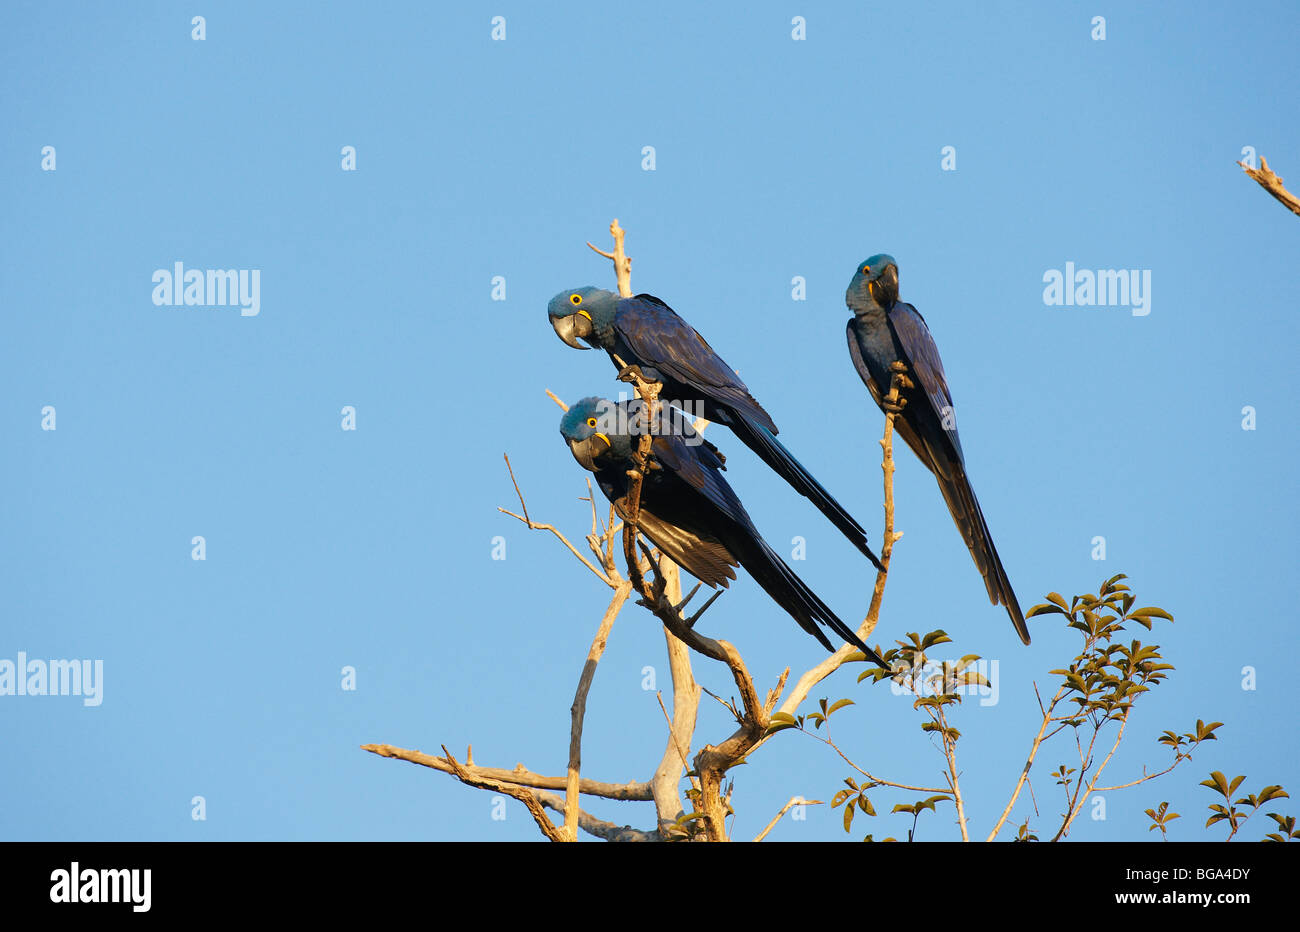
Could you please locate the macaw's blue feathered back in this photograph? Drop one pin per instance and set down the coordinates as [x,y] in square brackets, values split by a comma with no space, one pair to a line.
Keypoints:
[657,337]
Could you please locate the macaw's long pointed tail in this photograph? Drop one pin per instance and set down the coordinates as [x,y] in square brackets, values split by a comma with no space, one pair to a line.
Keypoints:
[771,451]
[966,514]
[793,595]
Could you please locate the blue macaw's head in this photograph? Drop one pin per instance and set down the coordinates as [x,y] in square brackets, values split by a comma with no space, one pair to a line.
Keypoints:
[576,313]
[875,282]
[590,429]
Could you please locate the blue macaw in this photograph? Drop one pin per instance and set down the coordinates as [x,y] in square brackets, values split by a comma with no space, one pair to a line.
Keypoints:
[689,511]
[884,332]
[646,334]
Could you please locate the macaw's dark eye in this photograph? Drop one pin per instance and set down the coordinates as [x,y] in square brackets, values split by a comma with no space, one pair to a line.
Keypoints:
[575,298]
[866,270]
[591,422]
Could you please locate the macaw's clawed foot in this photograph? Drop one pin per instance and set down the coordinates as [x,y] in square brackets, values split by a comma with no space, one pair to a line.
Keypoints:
[893,407]
[630,374]
[898,374]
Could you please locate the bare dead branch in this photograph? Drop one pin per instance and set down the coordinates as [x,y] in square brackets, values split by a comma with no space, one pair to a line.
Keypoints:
[686,704]
[1272,183]
[632,791]
[520,793]
[579,708]
[622,261]
[609,831]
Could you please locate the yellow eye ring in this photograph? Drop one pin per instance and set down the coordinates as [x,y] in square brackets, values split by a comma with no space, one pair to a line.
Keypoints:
[591,422]
[575,298]
[866,270]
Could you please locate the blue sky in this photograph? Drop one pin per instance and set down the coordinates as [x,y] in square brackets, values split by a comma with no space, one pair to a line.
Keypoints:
[475,158]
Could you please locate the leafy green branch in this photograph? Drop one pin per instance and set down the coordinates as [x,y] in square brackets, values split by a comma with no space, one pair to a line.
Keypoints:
[1097,689]
[937,687]
[1227,811]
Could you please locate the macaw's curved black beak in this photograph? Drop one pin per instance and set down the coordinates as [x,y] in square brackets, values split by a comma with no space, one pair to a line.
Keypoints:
[573,328]
[888,286]
[586,451]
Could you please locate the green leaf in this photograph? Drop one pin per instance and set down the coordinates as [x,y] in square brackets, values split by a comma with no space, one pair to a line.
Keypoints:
[1205,732]
[1043,609]
[1217,782]
[1272,792]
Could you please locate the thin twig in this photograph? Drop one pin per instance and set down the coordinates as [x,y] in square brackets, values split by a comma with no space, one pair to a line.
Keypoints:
[1272,183]
[794,801]
[532,525]
[672,734]
[1092,784]
[690,595]
[1029,761]
[875,780]
[690,622]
